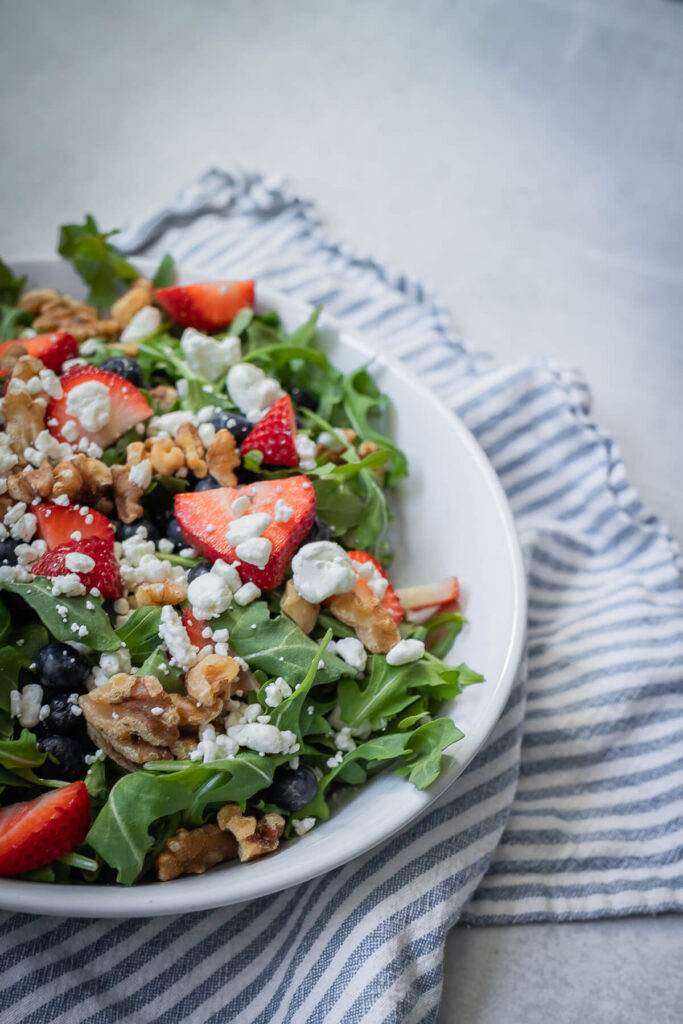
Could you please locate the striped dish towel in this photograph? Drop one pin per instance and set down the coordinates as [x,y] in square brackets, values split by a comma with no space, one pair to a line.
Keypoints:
[573,810]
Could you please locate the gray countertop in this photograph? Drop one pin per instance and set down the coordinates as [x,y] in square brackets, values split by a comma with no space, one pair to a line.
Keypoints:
[522,159]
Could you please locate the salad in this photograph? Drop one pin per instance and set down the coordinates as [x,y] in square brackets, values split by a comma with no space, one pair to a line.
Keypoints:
[202,647]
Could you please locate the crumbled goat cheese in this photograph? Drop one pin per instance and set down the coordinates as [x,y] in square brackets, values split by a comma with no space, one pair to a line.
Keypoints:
[62,499]
[164,545]
[333,762]
[305,449]
[343,740]
[240,713]
[351,650]
[77,562]
[141,474]
[27,708]
[210,595]
[303,825]
[47,447]
[255,551]
[89,403]
[213,746]
[168,424]
[206,432]
[207,356]
[8,459]
[135,547]
[251,391]
[241,504]
[282,512]
[174,635]
[277,691]
[110,664]
[322,569]
[50,383]
[376,581]
[70,430]
[405,651]
[247,593]
[145,322]
[265,739]
[247,527]
[227,572]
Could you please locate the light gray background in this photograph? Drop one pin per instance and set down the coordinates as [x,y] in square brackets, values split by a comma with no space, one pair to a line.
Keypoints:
[523,158]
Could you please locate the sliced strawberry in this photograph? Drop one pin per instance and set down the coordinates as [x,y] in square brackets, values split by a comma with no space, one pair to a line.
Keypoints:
[427,594]
[274,435]
[58,523]
[105,575]
[194,628]
[207,307]
[390,599]
[204,517]
[53,349]
[127,406]
[34,832]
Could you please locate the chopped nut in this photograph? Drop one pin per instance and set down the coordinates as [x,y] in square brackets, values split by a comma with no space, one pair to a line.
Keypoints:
[135,735]
[333,453]
[191,713]
[24,420]
[194,852]
[299,609]
[9,358]
[55,312]
[255,837]
[166,458]
[373,623]
[36,298]
[222,459]
[187,438]
[366,448]
[31,483]
[126,494]
[209,680]
[164,396]
[139,295]
[82,479]
[135,453]
[165,592]
[26,368]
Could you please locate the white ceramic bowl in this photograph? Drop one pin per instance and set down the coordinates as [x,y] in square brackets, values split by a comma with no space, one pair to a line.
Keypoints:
[451,518]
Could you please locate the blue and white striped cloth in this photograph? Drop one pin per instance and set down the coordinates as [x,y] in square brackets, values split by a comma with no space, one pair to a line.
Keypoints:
[575,807]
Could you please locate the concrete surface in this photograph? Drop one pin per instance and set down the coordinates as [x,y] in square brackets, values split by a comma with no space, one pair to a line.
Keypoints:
[521,157]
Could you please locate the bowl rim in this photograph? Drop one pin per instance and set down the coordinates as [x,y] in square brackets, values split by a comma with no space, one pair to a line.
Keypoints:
[156,899]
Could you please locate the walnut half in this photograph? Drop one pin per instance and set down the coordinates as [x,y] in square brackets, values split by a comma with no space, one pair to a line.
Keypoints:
[373,623]
[254,836]
[194,852]
[299,609]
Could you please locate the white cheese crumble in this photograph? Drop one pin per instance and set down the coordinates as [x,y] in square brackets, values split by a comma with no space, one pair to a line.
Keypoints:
[376,581]
[305,449]
[277,691]
[322,569]
[251,391]
[210,595]
[247,593]
[282,512]
[343,740]
[110,664]
[207,356]
[265,739]
[247,527]
[241,504]
[77,562]
[8,459]
[255,551]
[303,825]
[174,635]
[212,745]
[405,651]
[145,322]
[168,424]
[351,650]
[141,474]
[27,704]
[89,403]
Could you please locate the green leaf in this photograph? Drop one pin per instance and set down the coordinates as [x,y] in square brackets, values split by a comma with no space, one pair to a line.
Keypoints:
[22,753]
[38,595]
[12,321]
[100,264]
[4,623]
[338,504]
[157,664]
[240,322]
[13,660]
[140,633]
[363,402]
[306,334]
[425,749]
[442,629]
[384,693]
[368,534]
[289,714]
[10,286]
[165,274]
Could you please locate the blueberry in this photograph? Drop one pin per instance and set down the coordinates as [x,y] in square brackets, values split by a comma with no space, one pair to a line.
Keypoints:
[304,399]
[126,530]
[198,570]
[8,552]
[173,533]
[62,721]
[207,484]
[292,788]
[61,668]
[239,426]
[319,531]
[127,368]
[69,753]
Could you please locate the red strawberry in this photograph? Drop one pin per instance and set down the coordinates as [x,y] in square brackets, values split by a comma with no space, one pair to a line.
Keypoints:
[56,524]
[198,511]
[127,407]
[274,435]
[34,832]
[53,349]
[194,628]
[390,599]
[208,307]
[428,595]
[105,575]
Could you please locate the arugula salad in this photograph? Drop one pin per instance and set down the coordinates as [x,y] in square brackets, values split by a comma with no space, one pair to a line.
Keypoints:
[202,649]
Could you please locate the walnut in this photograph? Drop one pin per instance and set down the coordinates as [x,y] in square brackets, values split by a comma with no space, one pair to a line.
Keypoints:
[31,483]
[299,609]
[35,299]
[222,459]
[209,680]
[24,420]
[26,368]
[135,453]
[187,438]
[63,313]
[366,448]
[126,494]
[164,396]
[139,295]
[6,504]
[193,852]
[373,623]
[123,719]
[10,356]
[254,836]
[82,479]
[333,453]
[192,713]
[165,456]
[165,592]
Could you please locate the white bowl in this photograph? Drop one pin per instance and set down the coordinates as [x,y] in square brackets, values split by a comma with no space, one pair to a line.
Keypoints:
[452,517]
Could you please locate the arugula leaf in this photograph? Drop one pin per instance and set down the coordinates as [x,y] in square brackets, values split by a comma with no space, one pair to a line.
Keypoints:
[11,322]
[362,401]
[38,595]
[140,633]
[289,713]
[442,629]
[240,322]
[425,749]
[14,660]
[165,274]
[16,755]
[278,646]
[170,676]
[10,286]
[339,505]
[367,534]
[99,263]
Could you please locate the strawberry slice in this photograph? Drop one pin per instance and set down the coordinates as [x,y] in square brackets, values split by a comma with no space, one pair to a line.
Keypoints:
[53,349]
[34,832]
[425,595]
[207,307]
[105,574]
[126,406]
[390,598]
[204,517]
[194,628]
[58,523]
[274,435]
